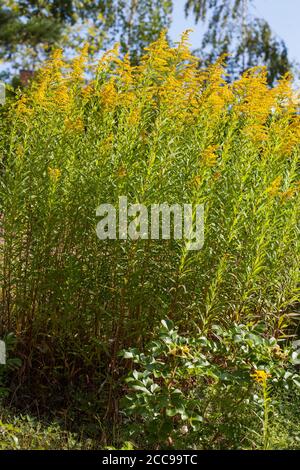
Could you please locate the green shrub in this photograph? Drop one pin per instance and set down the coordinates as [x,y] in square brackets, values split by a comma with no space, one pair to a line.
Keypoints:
[207,391]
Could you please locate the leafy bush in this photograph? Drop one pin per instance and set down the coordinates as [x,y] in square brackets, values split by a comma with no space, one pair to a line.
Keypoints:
[207,389]
[11,363]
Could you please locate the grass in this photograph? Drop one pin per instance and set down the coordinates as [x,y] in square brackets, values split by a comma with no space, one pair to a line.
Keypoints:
[24,432]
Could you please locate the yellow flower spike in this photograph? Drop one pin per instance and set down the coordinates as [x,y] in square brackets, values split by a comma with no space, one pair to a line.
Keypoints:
[160,44]
[185,38]
[185,350]
[197,181]
[173,352]
[74,125]
[217,94]
[124,70]
[63,98]
[79,64]
[57,58]
[52,72]
[260,376]
[134,117]
[54,174]
[87,91]
[20,151]
[107,143]
[108,58]
[274,188]
[22,107]
[256,132]
[159,57]
[284,94]
[255,101]
[122,172]
[46,77]
[209,157]
[175,77]
[40,93]
[109,95]
[290,192]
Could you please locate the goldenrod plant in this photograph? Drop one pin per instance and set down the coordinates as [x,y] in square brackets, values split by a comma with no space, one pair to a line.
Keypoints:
[165,130]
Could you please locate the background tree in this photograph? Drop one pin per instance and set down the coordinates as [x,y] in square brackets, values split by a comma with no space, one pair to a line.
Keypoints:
[139,22]
[232,29]
[29,28]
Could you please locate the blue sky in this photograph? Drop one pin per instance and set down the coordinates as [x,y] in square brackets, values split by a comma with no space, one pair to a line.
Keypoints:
[282,15]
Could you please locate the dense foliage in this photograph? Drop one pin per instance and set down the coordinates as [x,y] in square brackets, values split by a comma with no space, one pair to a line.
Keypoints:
[216,391]
[163,131]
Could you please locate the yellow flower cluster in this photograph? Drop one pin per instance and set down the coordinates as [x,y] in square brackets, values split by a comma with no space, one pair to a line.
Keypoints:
[291,192]
[134,116]
[79,63]
[109,96]
[169,81]
[54,174]
[22,107]
[260,376]
[217,94]
[180,351]
[209,156]
[255,102]
[74,125]
[62,98]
